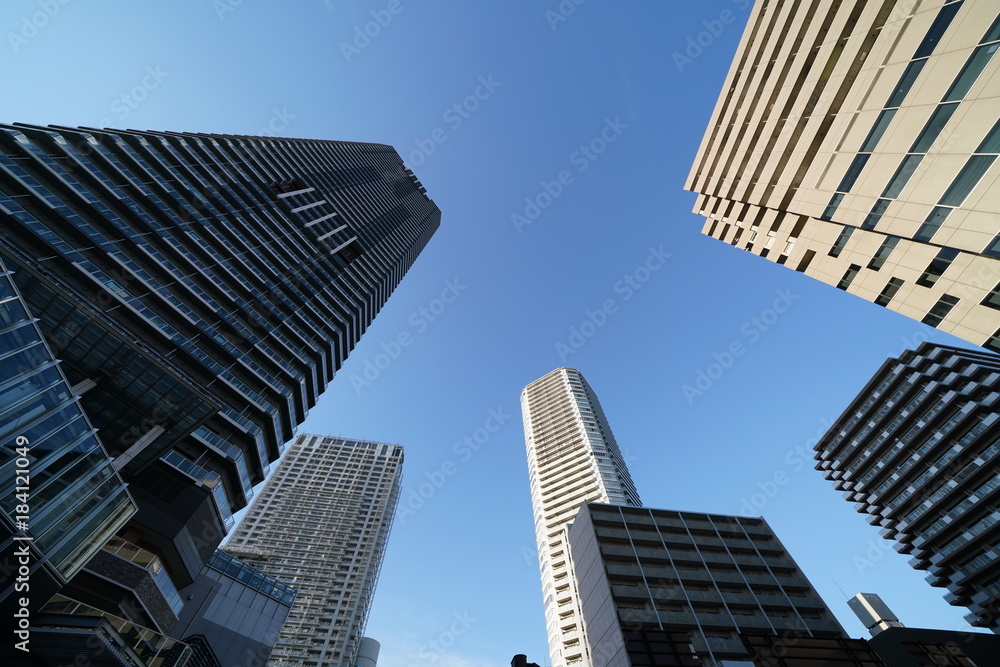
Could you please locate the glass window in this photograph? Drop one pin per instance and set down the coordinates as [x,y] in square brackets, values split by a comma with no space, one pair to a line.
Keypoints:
[937,267]
[933,128]
[10,312]
[905,83]
[934,33]
[831,207]
[16,338]
[6,288]
[841,241]
[993,34]
[993,298]
[857,166]
[849,276]
[993,249]
[967,179]
[871,220]
[883,252]
[973,68]
[888,292]
[902,176]
[991,144]
[878,129]
[933,222]
[940,310]
[993,342]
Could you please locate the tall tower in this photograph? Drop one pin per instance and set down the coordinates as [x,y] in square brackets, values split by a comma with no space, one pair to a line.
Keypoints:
[918,451]
[320,525]
[199,292]
[856,142]
[572,459]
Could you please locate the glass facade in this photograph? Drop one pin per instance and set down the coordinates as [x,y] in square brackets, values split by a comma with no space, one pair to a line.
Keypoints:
[59,486]
[203,288]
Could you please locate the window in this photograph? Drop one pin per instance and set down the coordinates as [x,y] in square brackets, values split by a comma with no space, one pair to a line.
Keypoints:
[883,252]
[854,170]
[937,267]
[993,298]
[832,206]
[993,249]
[940,310]
[878,130]
[804,262]
[841,241]
[933,127]
[888,292]
[876,214]
[849,276]
[905,83]
[993,342]
[902,176]
[933,36]
[933,223]
[973,68]
[967,179]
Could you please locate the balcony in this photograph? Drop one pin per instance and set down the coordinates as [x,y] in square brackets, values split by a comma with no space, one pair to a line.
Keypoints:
[67,631]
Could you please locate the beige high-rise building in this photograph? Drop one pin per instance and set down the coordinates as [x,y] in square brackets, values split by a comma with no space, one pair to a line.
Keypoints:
[855,141]
[572,459]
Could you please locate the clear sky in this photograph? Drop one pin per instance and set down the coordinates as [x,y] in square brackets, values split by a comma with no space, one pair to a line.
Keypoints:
[594,117]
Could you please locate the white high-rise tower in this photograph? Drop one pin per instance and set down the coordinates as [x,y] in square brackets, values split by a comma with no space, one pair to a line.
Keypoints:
[572,459]
[320,525]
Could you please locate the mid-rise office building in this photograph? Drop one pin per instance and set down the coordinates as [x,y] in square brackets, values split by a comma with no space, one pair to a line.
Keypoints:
[856,142]
[572,459]
[199,292]
[660,587]
[233,612]
[918,451]
[320,525]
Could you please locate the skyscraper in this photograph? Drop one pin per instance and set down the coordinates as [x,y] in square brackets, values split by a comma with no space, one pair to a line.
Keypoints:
[626,585]
[855,142]
[320,525]
[918,450]
[572,459]
[199,291]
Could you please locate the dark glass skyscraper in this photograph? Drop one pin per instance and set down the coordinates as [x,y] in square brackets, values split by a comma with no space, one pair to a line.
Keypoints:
[918,450]
[200,292]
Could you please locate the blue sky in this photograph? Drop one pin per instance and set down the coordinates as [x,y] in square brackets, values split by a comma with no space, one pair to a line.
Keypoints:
[594,118]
